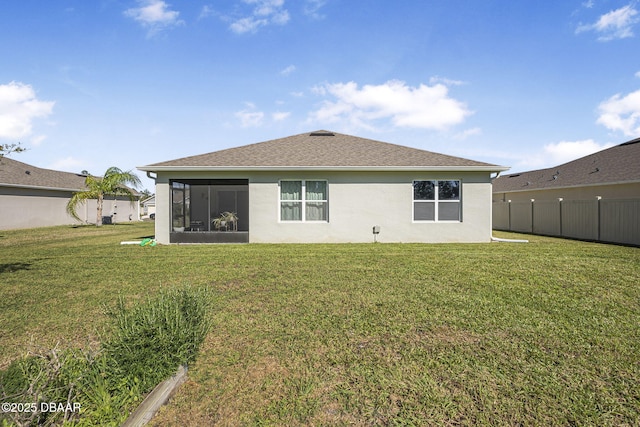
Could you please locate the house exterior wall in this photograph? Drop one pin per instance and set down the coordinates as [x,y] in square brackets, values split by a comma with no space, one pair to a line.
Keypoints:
[357,201]
[148,206]
[29,208]
[163,209]
[32,207]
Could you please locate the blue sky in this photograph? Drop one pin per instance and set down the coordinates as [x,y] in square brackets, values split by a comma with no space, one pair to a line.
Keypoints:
[85,85]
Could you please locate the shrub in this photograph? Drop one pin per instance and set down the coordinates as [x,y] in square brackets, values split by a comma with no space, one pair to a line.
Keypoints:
[146,343]
[56,375]
[153,337]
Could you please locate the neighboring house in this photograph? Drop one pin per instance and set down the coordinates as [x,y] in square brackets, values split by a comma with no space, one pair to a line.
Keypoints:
[148,207]
[596,197]
[323,187]
[36,197]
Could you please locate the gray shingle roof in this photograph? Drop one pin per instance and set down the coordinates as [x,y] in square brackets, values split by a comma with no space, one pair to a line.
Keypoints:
[619,164]
[18,174]
[320,149]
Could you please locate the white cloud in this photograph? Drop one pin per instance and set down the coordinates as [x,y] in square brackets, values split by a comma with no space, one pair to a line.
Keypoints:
[312,8]
[249,117]
[247,25]
[206,12]
[468,132]
[37,140]
[565,151]
[637,74]
[67,164]
[19,107]
[449,82]
[265,12]
[555,154]
[617,24]
[290,69]
[154,15]
[621,113]
[427,107]
[280,115]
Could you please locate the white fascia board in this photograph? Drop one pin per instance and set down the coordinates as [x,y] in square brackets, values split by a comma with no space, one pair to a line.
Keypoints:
[322,168]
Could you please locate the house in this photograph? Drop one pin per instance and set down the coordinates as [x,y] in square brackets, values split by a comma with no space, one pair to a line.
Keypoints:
[148,207]
[323,187]
[596,197]
[36,197]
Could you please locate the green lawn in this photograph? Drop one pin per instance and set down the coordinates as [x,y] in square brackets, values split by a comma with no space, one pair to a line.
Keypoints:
[544,333]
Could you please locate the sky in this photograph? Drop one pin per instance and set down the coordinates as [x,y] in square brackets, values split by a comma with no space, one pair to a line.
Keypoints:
[529,84]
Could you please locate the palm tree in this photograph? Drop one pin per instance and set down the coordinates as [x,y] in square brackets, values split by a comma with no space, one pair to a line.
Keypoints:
[113,183]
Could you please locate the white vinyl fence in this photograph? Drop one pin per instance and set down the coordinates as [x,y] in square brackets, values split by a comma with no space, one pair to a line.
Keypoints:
[613,221]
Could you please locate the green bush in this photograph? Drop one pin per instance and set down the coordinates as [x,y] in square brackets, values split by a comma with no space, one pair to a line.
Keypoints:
[153,337]
[52,376]
[146,343]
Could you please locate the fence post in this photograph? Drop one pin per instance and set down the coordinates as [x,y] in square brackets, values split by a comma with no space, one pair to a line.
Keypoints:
[598,215]
[560,212]
[532,220]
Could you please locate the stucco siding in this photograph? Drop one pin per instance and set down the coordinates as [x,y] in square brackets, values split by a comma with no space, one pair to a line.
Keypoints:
[30,208]
[357,201]
[163,210]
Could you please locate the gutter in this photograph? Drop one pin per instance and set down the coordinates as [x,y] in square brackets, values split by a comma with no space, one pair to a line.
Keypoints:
[73,190]
[38,187]
[599,184]
[150,169]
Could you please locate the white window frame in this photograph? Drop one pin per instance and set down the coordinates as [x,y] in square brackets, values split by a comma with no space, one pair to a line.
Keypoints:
[436,201]
[303,201]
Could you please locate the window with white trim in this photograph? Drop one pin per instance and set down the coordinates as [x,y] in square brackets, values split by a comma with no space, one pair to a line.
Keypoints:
[304,201]
[436,200]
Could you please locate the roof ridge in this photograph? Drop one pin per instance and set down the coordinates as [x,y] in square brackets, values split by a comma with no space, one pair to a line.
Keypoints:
[321,149]
[633,141]
[38,167]
[16,173]
[616,164]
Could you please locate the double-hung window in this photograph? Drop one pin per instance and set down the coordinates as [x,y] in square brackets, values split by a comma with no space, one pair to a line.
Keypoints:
[304,201]
[436,200]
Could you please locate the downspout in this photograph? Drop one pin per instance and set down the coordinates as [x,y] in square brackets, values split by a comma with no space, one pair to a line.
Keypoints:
[497,239]
[154,183]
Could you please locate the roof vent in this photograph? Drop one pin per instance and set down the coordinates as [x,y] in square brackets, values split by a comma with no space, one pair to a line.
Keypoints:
[322,133]
[514,175]
[27,172]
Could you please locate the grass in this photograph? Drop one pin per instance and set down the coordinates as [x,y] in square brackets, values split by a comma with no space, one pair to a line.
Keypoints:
[545,333]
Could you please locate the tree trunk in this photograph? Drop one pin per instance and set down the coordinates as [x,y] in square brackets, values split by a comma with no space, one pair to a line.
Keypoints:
[99,218]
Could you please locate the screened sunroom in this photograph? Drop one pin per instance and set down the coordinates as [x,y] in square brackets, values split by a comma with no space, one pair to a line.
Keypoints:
[209,211]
